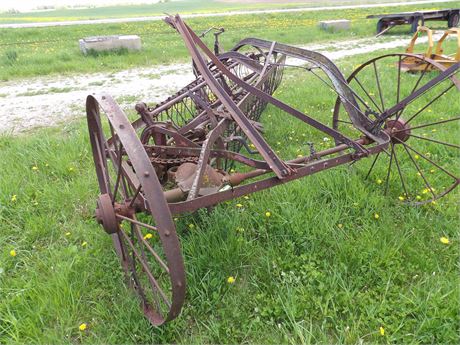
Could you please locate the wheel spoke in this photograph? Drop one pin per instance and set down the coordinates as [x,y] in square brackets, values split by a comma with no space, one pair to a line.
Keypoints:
[429,124]
[398,87]
[148,226]
[430,103]
[154,254]
[400,175]
[420,171]
[378,85]
[103,161]
[435,141]
[119,173]
[372,166]
[367,94]
[146,269]
[360,99]
[150,249]
[135,231]
[429,160]
[133,200]
[420,78]
[389,169]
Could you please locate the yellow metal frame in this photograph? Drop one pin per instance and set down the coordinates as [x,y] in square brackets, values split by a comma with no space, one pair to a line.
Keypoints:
[439,51]
[416,35]
[445,60]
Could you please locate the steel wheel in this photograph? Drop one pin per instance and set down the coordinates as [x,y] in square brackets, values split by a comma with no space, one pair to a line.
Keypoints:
[423,158]
[146,244]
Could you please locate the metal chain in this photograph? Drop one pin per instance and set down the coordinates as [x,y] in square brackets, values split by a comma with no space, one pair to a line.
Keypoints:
[170,161]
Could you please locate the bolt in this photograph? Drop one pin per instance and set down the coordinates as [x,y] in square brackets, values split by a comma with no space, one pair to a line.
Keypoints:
[146,174]
[121,126]
[167,233]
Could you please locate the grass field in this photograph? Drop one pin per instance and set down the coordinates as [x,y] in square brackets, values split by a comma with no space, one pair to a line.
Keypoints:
[188,6]
[320,269]
[54,50]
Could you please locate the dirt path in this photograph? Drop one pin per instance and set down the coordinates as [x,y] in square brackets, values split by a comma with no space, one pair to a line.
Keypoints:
[221,14]
[47,101]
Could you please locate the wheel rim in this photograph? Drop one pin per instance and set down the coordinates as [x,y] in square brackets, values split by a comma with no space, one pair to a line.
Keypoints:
[147,245]
[422,159]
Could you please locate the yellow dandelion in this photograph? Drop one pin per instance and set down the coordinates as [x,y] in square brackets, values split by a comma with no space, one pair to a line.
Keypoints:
[239,205]
[402,198]
[13,252]
[376,216]
[416,156]
[340,226]
[67,233]
[148,236]
[71,169]
[418,174]
[444,240]
[246,197]
[240,229]
[191,226]
[418,197]
[231,280]
[84,244]
[268,214]
[382,331]
[35,168]
[425,191]
[379,181]
[14,198]
[83,327]
[432,171]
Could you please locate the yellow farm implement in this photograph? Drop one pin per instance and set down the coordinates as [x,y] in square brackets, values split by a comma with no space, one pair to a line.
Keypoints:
[413,63]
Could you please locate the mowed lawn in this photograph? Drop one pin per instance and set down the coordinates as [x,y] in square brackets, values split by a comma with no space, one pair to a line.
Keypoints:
[29,52]
[335,262]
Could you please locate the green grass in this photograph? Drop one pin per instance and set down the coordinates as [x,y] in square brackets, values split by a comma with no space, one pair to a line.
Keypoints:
[300,276]
[55,51]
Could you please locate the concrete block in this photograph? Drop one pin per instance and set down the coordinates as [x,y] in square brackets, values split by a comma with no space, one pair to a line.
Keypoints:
[335,25]
[101,43]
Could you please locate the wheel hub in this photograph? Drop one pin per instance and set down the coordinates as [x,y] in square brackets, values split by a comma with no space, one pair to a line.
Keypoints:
[105,214]
[398,130]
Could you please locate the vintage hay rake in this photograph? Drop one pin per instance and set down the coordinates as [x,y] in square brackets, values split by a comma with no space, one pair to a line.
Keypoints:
[179,155]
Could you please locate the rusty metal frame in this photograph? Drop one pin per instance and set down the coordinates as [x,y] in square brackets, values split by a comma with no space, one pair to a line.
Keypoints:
[209,121]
